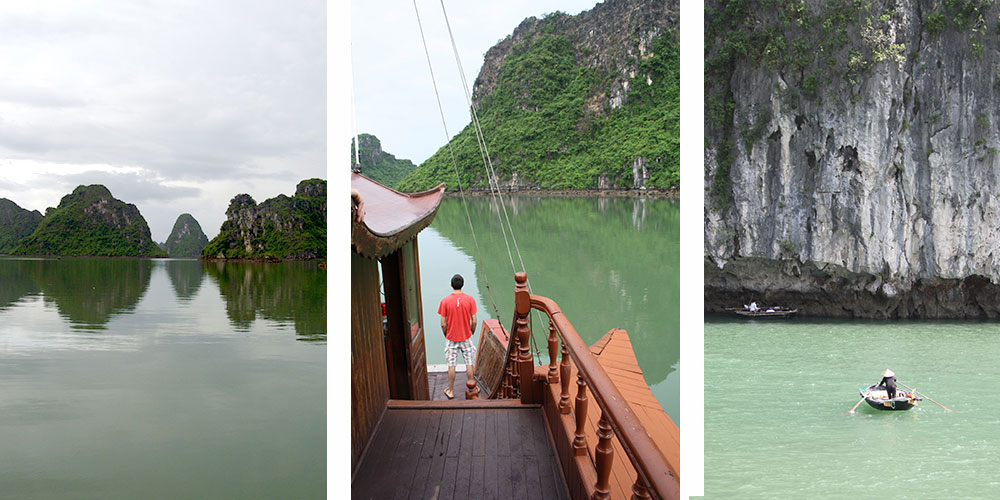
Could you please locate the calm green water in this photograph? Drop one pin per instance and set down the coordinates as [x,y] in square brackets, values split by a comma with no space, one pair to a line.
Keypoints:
[608,262]
[129,378]
[776,394]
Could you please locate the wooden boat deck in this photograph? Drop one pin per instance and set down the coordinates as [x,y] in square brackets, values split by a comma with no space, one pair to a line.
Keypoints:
[615,355]
[437,382]
[459,449]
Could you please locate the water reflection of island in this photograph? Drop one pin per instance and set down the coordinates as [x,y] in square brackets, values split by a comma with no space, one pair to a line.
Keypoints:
[16,281]
[88,292]
[286,292]
[609,262]
[185,277]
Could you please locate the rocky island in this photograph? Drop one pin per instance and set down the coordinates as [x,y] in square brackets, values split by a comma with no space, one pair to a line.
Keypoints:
[378,165]
[16,224]
[282,227]
[851,157]
[186,238]
[91,222]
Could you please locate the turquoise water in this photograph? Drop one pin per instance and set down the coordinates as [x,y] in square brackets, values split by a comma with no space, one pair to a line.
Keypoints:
[776,394]
[132,378]
[608,262]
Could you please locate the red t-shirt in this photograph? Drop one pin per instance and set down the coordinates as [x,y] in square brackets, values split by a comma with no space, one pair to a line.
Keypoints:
[457,309]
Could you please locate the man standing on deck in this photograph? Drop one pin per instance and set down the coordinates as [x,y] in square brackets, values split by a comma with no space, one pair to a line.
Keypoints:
[458,321]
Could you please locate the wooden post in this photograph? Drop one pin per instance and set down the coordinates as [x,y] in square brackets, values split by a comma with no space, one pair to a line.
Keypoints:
[580,439]
[564,380]
[522,307]
[553,375]
[639,490]
[471,389]
[603,456]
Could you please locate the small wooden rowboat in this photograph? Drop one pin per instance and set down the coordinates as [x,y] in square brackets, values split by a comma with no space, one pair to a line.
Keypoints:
[877,398]
[770,312]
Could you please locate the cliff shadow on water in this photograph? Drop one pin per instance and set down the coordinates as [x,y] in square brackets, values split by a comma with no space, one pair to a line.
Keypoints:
[852,150]
[289,292]
[608,262]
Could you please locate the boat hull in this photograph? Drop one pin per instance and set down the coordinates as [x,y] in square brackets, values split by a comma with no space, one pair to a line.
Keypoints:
[877,398]
[766,314]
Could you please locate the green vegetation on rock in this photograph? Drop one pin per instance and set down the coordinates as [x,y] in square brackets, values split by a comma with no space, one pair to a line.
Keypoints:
[280,228]
[91,222]
[549,122]
[16,224]
[186,238]
[378,165]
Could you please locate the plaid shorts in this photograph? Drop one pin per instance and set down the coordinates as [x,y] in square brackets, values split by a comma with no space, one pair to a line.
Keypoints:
[466,346]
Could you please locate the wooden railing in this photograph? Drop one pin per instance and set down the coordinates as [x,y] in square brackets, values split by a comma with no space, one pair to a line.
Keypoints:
[617,417]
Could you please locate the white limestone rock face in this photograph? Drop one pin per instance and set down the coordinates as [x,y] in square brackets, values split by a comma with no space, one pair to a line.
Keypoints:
[892,171]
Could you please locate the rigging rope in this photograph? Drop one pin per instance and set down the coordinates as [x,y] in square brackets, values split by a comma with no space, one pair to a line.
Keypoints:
[354,110]
[454,162]
[488,164]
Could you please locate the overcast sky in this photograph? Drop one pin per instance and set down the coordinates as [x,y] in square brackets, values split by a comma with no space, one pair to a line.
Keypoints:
[174,106]
[394,96]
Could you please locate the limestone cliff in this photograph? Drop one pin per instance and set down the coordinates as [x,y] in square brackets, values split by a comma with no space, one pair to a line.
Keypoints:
[589,101]
[859,138]
[91,222]
[16,224]
[186,238]
[279,228]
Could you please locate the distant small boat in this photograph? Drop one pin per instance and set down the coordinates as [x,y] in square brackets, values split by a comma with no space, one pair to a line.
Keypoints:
[878,398]
[767,312]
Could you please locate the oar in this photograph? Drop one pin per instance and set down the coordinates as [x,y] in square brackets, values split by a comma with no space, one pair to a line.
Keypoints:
[855,406]
[927,397]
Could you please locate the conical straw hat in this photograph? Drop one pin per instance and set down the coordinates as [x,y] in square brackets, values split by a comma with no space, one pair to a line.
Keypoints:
[888,373]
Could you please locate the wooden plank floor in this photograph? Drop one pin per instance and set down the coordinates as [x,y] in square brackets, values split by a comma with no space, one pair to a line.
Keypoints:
[437,382]
[460,453]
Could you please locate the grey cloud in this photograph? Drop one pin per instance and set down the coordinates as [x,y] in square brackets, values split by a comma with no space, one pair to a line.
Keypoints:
[129,187]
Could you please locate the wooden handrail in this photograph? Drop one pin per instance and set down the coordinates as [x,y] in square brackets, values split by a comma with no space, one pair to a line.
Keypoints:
[647,459]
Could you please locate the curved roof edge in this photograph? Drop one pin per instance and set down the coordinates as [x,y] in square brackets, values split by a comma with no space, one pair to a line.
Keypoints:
[391,218]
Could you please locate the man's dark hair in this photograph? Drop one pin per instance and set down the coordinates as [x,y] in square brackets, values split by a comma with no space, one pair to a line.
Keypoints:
[457,282]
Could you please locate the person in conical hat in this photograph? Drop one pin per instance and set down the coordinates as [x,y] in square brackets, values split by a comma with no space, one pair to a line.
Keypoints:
[889,382]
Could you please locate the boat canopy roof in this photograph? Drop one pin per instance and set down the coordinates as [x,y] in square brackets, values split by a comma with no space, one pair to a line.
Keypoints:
[391,218]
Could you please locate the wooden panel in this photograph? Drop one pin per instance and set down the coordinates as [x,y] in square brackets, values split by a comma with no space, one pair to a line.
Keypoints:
[369,383]
[492,353]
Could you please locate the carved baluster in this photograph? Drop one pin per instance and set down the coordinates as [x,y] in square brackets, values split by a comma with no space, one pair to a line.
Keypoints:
[512,371]
[639,490]
[564,380]
[526,365]
[580,440]
[603,456]
[553,376]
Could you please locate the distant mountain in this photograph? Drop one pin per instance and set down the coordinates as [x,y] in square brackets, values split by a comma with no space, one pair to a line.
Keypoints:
[16,224]
[186,239]
[568,102]
[281,227]
[378,165]
[90,221]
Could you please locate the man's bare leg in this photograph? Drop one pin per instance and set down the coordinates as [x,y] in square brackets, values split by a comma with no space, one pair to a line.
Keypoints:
[451,380]
[468,372]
